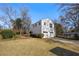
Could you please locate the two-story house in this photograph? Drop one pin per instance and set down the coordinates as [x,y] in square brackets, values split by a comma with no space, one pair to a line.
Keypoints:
[45,26]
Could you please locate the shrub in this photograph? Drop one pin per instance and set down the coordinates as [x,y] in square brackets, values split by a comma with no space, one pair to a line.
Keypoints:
[18,33]
[40,35]
[37,35]
[7,34]
[32,35]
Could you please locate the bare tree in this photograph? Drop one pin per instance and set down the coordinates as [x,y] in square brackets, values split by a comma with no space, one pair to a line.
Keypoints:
[5,21]
[9,14]
[26,21]
[10,17]
[71,15]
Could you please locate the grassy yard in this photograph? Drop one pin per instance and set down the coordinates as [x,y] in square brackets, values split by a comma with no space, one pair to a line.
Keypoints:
[31,46]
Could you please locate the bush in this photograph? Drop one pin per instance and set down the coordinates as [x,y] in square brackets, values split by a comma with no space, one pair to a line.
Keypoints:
[40,35]
[37,35]
[18,33]
[32,35]
[7,34]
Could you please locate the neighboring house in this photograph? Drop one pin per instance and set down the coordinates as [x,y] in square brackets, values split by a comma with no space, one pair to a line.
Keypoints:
[45,26]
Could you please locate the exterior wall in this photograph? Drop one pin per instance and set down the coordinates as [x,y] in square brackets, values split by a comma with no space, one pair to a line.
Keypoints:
[36,28]
[44,27]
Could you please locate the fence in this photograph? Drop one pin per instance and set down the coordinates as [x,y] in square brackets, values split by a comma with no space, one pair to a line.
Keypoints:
[69,35]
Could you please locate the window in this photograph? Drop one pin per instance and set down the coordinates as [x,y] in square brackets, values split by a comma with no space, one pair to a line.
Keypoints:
[51,32]
[50,25]
[35,24]
[44,23]
[39,23]
[45,32]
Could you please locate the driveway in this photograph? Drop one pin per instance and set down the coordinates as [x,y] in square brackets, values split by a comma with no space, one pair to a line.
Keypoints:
[74,42]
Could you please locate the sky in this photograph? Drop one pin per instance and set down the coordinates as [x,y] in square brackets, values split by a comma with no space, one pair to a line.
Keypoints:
[38,11]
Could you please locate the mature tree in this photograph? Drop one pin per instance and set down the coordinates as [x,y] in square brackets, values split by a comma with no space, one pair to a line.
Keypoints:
[9,15]
[15,20]
[71,15]
[0,27]
[66,24]
[17,25]
[59,29]
[25,18]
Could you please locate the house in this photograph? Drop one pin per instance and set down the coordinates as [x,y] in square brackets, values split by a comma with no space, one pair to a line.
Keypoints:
[45,26]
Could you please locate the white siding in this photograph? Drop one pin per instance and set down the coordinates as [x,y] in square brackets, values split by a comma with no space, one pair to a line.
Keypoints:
[50,31]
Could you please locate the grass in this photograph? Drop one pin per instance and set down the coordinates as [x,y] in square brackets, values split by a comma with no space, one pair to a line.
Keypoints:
[32,47]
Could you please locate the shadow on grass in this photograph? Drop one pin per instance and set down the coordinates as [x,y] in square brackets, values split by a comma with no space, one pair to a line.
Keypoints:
[63,52]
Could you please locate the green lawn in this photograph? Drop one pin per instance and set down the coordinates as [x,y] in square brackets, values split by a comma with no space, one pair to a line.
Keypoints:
[31,46]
